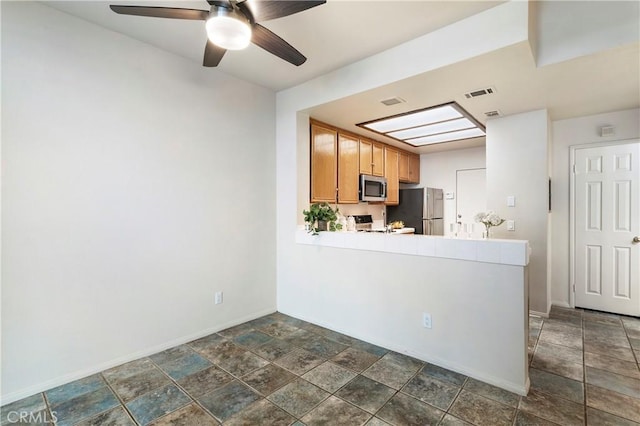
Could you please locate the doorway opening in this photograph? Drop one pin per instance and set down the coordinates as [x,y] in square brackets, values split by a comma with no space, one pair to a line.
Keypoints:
[471,187]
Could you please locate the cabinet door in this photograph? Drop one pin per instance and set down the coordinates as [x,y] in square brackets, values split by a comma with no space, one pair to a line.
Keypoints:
[377,159]
[324,173]
[414,169]
[366,165]
[403,167]
[391,157]
[348,169]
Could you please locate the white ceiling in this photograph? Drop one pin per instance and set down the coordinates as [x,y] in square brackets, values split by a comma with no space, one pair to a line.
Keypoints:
[341,32]
[330,35]
[602,82]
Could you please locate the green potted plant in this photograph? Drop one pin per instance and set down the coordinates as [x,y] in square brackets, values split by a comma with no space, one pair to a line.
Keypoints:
[321,217]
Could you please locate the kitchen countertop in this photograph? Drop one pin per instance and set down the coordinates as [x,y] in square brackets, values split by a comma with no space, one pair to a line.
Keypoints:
[404,231]
[506,252]
[382,231]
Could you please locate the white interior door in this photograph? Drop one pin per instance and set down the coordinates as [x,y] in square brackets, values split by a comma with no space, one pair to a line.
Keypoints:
[607,220]
[471,186]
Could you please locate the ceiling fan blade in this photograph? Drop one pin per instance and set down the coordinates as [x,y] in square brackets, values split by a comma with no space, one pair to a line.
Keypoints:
[263,10]
[272,43]
[212,54]
[220,3]
[162,12]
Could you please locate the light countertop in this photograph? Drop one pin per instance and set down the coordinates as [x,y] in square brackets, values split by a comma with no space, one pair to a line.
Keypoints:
[501,251]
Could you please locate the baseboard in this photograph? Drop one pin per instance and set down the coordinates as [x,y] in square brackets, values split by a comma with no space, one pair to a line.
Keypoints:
[483,377]
[561,304]
[538,314]
[478,375]
[58,381]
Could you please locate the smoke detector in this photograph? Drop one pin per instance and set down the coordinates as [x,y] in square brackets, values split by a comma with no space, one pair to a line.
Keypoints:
[392,101]
[480,92]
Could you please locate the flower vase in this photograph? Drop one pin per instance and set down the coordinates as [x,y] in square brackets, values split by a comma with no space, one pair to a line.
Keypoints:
[487,234]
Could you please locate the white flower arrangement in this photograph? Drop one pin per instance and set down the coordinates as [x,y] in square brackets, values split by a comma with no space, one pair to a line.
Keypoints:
[489,219]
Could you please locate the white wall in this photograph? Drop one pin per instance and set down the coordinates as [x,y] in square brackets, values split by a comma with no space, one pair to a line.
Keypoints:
[135,184]
[577,131]
[384,305]
[594,26]
[517,164]
[438,170]
[346,284]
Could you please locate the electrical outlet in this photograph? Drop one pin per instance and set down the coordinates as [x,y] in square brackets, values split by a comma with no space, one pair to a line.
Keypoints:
[426,320]
[218,297]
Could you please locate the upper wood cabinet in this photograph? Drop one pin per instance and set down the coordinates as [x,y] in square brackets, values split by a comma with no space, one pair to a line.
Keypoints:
[414,168]
[348,169]
[371,158]
[408,167]
[403,166]
[324,165]
[391,158]
[338,157]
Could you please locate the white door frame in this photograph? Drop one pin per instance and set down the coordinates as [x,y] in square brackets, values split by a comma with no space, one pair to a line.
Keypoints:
[572,209]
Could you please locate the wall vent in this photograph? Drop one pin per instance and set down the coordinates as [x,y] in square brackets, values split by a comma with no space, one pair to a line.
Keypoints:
[494,113]
[393,101]
[480,92]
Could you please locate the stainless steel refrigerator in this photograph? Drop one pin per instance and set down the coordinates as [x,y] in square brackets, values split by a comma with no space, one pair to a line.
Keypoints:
[420,208]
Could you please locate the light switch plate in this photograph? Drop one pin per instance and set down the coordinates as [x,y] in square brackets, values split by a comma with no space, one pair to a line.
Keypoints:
[511,225]
[511,201]
[449,195]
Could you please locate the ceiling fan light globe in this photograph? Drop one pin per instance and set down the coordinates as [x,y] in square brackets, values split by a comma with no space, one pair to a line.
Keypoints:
[228,32]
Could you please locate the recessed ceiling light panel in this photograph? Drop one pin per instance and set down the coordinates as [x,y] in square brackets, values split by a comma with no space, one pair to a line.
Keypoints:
[442,123]
[430,129]
[415,119]
[447,137]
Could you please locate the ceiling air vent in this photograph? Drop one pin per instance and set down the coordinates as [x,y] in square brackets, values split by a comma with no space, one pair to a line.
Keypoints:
[480,92]
[393,101]
[494,113]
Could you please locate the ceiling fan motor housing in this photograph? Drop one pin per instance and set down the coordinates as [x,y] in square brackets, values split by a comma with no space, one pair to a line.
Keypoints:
[228,28]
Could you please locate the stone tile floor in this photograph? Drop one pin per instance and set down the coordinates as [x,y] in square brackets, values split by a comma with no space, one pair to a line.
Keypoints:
[278,370]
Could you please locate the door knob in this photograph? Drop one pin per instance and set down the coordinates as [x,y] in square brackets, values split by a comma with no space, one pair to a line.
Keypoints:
[636,240]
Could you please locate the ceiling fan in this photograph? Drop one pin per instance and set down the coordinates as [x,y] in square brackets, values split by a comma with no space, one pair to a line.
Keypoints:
[233,24]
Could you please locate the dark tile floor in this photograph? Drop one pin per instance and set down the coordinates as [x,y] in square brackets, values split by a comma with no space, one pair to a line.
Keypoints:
[278,370]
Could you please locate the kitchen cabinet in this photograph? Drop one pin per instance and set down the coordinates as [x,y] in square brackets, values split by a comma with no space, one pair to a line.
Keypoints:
[348,169]
[324,165]
[338,157]
[403,166]
[408,167]
[377,159]
[391,158]
[414,168]
[371,158]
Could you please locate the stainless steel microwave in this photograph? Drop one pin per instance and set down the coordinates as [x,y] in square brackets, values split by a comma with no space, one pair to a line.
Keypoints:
[373,188]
